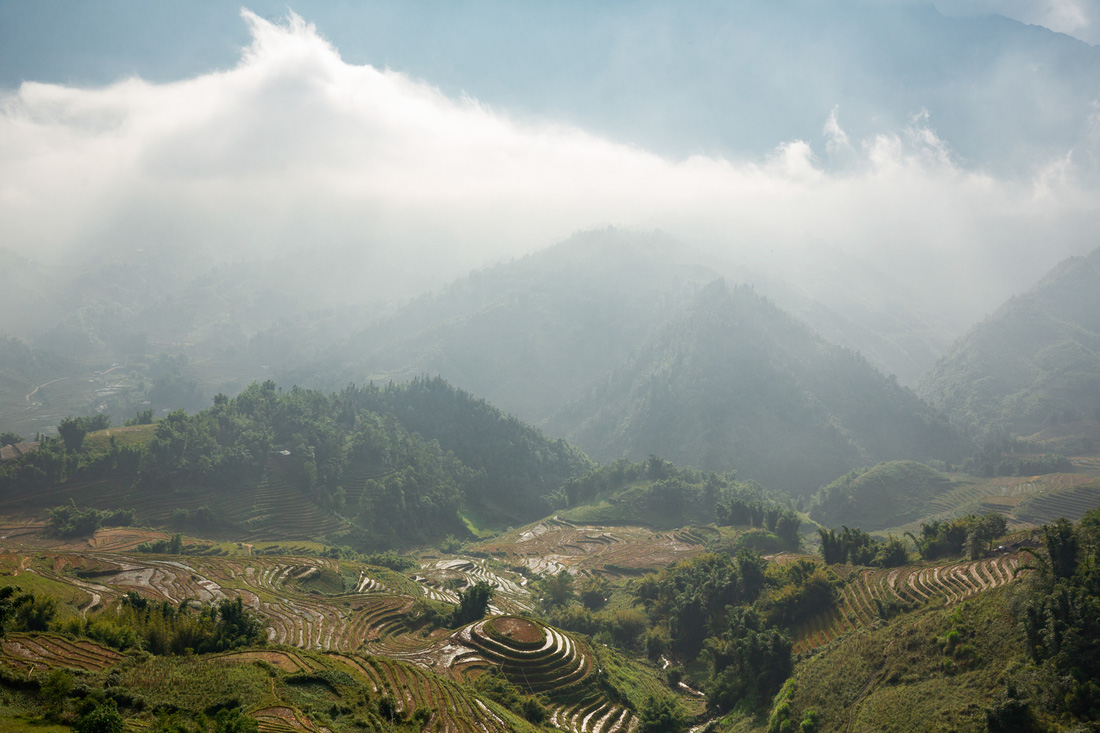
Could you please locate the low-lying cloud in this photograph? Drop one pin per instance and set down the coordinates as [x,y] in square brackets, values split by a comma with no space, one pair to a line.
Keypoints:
[296,149]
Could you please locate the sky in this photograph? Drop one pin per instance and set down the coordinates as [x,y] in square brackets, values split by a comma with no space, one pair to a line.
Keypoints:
[432,138]
[1077,18]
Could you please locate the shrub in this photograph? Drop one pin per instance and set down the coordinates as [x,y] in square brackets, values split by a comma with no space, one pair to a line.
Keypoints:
[104,718]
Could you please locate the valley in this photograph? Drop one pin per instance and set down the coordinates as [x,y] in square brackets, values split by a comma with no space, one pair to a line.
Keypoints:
[746,510]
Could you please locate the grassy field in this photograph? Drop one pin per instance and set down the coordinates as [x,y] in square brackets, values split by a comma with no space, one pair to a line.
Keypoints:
[100,440]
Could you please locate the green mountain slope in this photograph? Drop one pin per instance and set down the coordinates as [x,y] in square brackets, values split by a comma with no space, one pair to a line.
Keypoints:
[887,495]
[532,334]
[351,467]
[1033,363]
[734,383]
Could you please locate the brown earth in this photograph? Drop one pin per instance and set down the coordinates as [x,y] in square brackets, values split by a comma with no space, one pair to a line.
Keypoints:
[520,630]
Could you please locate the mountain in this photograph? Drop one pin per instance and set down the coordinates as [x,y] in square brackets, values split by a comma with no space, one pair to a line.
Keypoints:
[532,334]
[1034,363]
[735,383]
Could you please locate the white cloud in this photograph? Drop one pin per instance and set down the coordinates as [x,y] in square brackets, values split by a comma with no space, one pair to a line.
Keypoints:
[294,147]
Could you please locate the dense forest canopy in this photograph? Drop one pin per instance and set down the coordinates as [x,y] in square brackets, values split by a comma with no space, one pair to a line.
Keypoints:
[398,461]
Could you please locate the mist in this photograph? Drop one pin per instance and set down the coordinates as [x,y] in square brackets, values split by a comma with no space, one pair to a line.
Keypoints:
[294,149]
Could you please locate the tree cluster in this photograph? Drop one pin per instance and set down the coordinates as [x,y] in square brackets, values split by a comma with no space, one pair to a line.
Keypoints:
[857,547]
[161,628]
[1061,621]
[970,535]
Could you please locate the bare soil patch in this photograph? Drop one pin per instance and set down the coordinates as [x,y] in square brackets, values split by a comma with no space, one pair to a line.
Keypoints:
[519,630]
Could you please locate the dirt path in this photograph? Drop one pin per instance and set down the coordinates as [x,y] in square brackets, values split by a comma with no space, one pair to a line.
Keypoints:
[27,397]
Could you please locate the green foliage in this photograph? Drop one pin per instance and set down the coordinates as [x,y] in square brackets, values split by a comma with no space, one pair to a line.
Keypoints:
[749,661]
[734,383]
[497,688]
[886,495]
[56,688]
[971,534]
[555,590]
[1031,364]
[692,597]
[143,417]
[234,720]
[514,464]
[797,592]
[103,718]
[661,715]
[1060,539]
[999,457]
[593,592]
[72,431]
[472,603]
[172,546]
[425,448]
[1011,714]
[859,548]
[165,629]
[68,520]
[626,628]
[389,559]
[7,606]
[32,612]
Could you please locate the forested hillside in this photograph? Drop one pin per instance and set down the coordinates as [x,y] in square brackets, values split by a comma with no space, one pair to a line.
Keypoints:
[530,335]
[734,383]
[886,495]
[1032,364]
[358,457]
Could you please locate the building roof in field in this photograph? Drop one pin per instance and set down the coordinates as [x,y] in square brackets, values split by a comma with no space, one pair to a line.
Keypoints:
[17,450]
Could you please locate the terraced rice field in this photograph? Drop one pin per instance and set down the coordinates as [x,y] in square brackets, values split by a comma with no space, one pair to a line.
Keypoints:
[540,659]
[452,707]
[1071,503]
[366,615]
[1014,496]
[554,545]
[46,651]
[868,593]
[443,579]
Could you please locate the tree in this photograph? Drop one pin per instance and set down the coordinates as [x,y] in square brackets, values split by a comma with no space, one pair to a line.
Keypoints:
[72,431]
[34,613]
[1061,542]
[7,606]
[557,590]
[234,721]
[786,528]
[104,718]
[10,438]
[663,715]
[473,603]
[56,688]
[238,626]
[749,661]
[593,592]
[892,553]
[989,527]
